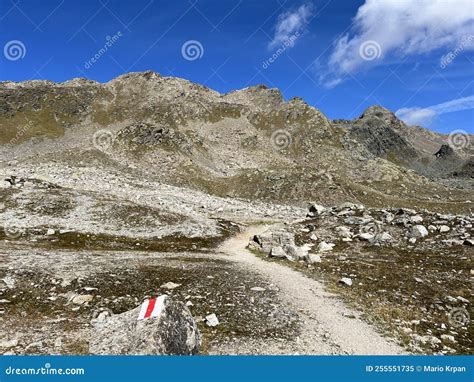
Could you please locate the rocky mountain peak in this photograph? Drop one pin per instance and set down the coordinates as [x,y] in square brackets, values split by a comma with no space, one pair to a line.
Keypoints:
[27,84]
[380,114]
[381,133]
[146,75]
[80,81]
[259,95]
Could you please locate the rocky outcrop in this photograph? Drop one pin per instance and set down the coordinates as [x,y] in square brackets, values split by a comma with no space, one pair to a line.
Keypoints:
[172,332]
[376,130]
[444,151]
[315,210]
[418,231]
[354,226]
[268,240]
[279,244]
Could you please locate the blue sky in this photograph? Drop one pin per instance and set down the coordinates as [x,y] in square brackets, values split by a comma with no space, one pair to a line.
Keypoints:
[414,57]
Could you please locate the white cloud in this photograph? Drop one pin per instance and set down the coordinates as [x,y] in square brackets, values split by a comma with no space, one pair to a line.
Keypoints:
[424,116]
[403,27]
[416,115]
[289,23]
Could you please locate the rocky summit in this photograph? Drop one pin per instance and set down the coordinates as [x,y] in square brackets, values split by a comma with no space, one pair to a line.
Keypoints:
[273,229]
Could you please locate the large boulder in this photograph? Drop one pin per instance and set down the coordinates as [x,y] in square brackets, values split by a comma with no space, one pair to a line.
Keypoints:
[366,236]
[269,239]
[313,258]
[315,210]
[290,252]
[349,206]
[383,238]
[445,151]
[295,253]
[344,232]
[171,330]
[418,231]
[325,247]
[277,252]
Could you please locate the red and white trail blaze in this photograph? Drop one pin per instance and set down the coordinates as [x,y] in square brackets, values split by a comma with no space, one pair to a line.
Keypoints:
[152,307]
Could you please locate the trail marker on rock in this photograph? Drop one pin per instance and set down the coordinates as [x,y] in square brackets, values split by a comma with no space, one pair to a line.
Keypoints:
[152,308]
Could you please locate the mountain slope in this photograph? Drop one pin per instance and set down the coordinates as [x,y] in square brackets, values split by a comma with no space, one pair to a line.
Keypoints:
[247,144]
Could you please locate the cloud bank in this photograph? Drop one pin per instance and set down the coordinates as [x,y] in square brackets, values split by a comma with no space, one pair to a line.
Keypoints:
[424,116]
[402,27]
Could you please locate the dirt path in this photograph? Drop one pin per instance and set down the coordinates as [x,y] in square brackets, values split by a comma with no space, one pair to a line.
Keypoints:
[327,326]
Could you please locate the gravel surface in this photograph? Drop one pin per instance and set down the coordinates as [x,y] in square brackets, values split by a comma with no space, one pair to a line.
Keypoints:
[327,326]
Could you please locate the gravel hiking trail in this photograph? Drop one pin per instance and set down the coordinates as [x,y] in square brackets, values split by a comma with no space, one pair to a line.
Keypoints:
[328,326]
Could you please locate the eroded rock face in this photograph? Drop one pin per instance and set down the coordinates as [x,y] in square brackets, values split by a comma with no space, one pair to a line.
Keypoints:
[173,332]
[378,130]
[444,151]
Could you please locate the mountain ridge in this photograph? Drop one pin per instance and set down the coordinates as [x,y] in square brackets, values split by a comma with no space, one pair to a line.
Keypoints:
[248,143]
